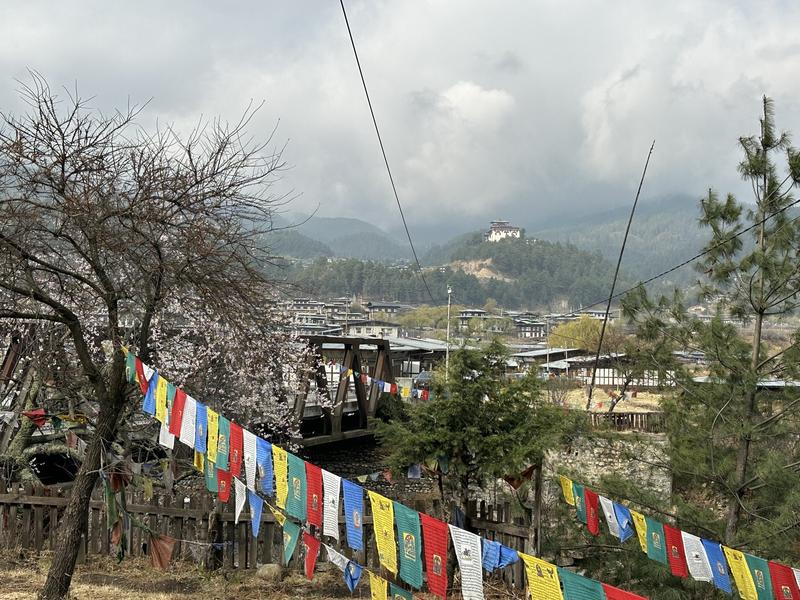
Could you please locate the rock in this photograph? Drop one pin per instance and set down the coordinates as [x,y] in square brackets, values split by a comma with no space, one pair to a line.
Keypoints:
[271,573]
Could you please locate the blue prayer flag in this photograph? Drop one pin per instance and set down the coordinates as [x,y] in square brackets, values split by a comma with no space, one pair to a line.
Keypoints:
[496,556]
[256,507]
[264,466]
[200,428]
[149,402]
[352,575]
[719,566]
[353,512]
[625,521]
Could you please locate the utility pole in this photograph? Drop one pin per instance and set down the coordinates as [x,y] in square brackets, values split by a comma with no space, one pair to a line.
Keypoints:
[447,348]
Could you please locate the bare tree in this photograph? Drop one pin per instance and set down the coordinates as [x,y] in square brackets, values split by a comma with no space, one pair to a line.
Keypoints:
[119,236]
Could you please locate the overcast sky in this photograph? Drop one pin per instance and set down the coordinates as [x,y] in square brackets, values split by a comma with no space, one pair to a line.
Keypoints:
[519,110]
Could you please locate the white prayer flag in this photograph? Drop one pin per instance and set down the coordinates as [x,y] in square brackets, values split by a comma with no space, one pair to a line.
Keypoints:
[696,557]
[148,371]
[330,501]
[797,576]
[241,498]
[611,518]
[249,443]
[165,438]
[468,551]
[387,387]
[336,558]
[188,421]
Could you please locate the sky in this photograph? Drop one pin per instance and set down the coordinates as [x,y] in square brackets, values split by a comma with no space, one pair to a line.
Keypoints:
[524,111]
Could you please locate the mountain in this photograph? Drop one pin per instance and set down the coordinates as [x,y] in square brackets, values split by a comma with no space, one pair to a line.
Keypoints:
[289,242]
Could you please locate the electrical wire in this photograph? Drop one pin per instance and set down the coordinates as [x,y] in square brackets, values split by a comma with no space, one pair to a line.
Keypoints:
[383,152]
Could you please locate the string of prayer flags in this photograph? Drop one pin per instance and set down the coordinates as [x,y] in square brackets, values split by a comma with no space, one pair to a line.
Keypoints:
[436,536]
[149,401]
[296,501]
[614,593]
[741,574]
[280,459]
[188,422]
[543,581]
[312,551]
[176,416]
[224,480]
[378,587]
[580,505]
[223,443]
[212,485]
[383,523]
[655,541]
[497,556]
[578,587]
[291,533]
[240,490]
[331,484]
[592,517]
[408,535]
[212,417]
[641,528]
[624,521]
[785,582]
[696,559]
[398,593]
[264,465]
[759,573]
[236,443]
[611,518]
[161,400]
[256,508]
[201,427]
[249,452]
[353,495]
[467,546]
[313,495]
[719,566]
[675,552]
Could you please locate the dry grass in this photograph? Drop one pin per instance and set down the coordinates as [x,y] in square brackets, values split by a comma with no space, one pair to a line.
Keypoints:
[644,401]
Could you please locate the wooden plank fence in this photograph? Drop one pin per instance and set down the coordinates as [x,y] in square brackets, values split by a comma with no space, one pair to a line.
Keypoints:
[497,523]
[647,422]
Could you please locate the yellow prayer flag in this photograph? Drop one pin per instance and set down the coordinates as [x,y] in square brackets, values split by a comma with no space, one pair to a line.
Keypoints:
[279,516]
[377,587]
[199,464]
[741,574]
[406,392]
[640,523]
[281,462]
[383,523]
[566,487]
[161,400]
[349,373]
[213,427]
[543,583]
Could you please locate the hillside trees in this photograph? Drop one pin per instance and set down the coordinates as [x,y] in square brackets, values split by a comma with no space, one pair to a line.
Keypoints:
[116,237]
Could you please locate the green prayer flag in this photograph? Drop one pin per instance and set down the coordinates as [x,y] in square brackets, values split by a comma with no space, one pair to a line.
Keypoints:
[130,367]
[291,533]
[398,593]
[759,570]
[296,501]
[656,547]
[111,504]
[577,587]
[212,485]
[223,442]
[408,536]
[580,503]
[171,389]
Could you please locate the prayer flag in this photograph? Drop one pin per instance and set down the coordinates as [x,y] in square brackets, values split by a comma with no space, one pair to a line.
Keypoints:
[223,443]
[496,555]
[394,388]
[224,481]
[435,537]
[641,528]
[759,573]
[200,428]
[211,477]
[141,377]
[719,566]
[336,558]
[314,495]
[784,584]
[176,415]
[165,438]
[577,587]
[264,466]
[613,593]
[406,393]
[241,497]
[624,521]
[408,535]
[797,576]
[256,508]
[676,555]
[352,575]
[212,417]
[291,533]
[467,546]
[249,448]
[398,593]
[149,401]
[353,512]
[130,367]
[566,488]
[331,484]
[199,461]
[611,518]
[280,459]
[656,549]
[280,519]
[580,505]
[377,587]
[425,394]
[236,443]
[741,574]
[592,516]
[543,582]
[161,400]
[188,422]
[383,522]
[696,559]
[312,551]
[296,501]
[387,387]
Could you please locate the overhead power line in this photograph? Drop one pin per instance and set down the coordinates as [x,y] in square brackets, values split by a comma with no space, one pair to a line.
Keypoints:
[383,152]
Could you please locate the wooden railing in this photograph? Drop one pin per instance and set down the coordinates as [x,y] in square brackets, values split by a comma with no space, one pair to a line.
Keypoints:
[497,523]
[648,422]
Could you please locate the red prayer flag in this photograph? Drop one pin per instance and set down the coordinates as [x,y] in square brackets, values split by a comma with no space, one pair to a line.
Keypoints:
[236,450]
[312,550]
[36,415]
[435,535]
[394,389]
[364,378]
[592,517]
[676,555]
[784,585]
[140,375]
[425,394]
[313,494]
[613,593]
[176,416]
[224,485]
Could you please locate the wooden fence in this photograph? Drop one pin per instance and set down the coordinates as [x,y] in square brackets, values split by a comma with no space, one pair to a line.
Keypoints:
[497,523]
[647,422]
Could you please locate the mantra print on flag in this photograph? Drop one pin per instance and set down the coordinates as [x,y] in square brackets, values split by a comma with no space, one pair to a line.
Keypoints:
[465,554]
[437,564]
[297,488]
[409,545]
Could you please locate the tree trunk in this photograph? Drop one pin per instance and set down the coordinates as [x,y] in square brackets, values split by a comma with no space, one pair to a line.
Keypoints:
[73,522]
[536,521]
